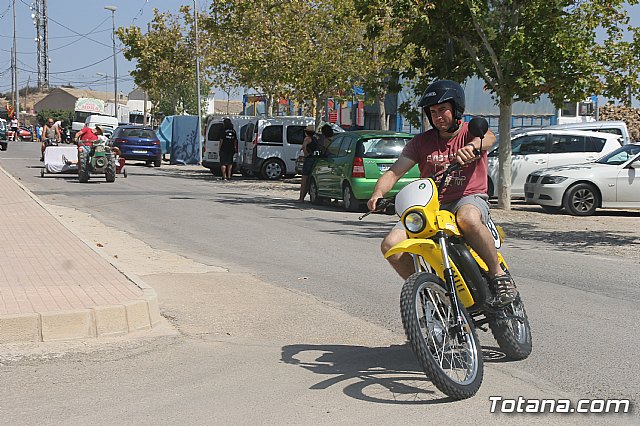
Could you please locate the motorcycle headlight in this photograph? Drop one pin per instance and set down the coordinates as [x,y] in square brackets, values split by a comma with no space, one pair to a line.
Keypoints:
[414,222]
[552,180]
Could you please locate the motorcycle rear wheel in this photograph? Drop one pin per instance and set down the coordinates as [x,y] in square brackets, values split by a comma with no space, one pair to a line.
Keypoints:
[454,365]
[512,331]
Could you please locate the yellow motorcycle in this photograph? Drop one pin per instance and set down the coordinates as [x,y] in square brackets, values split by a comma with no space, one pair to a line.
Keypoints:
[440,323]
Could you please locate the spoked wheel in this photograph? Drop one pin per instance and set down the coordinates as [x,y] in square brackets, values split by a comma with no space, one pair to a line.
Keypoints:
[511,330]
[450,358]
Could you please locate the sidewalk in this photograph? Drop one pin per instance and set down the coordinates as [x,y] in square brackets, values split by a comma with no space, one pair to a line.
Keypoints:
[53,286]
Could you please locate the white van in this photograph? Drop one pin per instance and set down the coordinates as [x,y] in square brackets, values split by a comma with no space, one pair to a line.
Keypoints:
[215,131]
[275,145]
[540,149]
[618,128]
[108,124]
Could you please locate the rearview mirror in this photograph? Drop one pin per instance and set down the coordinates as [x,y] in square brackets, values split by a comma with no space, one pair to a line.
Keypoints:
[478,126]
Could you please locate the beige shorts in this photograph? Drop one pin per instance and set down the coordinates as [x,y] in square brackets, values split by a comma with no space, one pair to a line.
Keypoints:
[481,201]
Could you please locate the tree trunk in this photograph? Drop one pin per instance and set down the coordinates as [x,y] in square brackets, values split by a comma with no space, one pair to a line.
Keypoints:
[382,113]
[504,154]
[268,107]
[318,111]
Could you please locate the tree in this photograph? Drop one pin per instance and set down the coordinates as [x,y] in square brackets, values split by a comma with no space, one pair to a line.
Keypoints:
[387,53]
[296,49]
[523,49]
[165,61]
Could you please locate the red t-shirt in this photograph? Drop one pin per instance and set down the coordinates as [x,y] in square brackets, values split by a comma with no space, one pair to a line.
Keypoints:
[434,153]
[86,134]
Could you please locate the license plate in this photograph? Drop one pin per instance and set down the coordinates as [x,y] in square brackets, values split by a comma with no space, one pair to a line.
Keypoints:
[140,151]
[212,155]
[384,167]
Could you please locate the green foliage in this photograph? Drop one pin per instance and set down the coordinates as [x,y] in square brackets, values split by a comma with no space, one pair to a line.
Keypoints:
[65,115]
[165,61]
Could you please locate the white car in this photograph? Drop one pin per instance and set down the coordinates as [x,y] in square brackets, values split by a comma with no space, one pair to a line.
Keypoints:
[539,149]
[613,181]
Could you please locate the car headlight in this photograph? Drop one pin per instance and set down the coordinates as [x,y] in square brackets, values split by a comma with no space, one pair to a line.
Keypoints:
[414,222]
[553,180]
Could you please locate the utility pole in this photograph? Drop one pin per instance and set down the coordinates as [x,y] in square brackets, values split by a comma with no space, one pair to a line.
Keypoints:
[45,44]
[115,64]
[15,65]
[195,15]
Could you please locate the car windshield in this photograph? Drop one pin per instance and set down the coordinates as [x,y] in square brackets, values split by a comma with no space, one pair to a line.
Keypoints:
[383,147]
[138,133]
[620,155]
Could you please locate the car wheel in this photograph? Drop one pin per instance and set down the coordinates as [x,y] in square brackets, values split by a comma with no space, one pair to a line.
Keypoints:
[272,169]
[351,204]
[3,147]
[582,199]
[157,162]
[313,193]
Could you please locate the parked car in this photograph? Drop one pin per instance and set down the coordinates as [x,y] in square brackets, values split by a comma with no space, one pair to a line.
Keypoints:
[353,163]
[3,135]
[25,133]
[613,181]
[548,148]
[276,143]
[215,132]
[618,128]
[137,143]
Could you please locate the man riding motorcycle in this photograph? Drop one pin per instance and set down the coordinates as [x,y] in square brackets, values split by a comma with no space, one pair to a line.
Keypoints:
[465,194]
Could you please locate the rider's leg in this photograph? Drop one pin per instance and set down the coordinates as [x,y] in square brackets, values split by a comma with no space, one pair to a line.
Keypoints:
[403,262]
[471,222]
[478,236]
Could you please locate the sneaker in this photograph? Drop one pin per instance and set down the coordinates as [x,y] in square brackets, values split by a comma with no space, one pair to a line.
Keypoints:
[504,289]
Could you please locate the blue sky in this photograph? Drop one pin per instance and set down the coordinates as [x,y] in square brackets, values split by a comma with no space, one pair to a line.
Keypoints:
[80,35]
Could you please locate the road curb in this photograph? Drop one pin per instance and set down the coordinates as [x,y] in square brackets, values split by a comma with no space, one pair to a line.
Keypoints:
[141,313]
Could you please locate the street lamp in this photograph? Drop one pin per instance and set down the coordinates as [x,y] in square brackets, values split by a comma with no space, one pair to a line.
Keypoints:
[115,64]
[195,15]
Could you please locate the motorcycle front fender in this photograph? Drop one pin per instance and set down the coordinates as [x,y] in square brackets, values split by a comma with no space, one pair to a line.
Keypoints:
[431,253]
[428,249]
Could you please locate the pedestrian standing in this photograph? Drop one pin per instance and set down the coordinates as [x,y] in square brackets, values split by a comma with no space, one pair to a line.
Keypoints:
[309,149]
[325,138]
[14,125]
[228,149]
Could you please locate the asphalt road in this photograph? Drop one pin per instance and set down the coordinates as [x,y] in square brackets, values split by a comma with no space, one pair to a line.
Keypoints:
[582,307]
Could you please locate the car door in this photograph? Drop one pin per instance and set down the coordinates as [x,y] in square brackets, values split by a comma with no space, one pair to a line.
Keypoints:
[342,165]
[292,146]
[567,148]
[529,153]
[628,185]
[325,168]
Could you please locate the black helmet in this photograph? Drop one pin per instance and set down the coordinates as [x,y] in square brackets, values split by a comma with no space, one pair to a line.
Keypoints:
[442,91]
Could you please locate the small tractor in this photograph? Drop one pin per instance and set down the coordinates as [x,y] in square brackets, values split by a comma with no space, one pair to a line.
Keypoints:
[99,159]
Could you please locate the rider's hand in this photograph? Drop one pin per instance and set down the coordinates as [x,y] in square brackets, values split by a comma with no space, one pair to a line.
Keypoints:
[466,154]
[373,201]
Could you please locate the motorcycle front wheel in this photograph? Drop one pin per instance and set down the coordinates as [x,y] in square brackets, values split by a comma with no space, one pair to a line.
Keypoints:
[451,358]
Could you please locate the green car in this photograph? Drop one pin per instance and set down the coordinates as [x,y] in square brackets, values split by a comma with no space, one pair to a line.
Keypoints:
[3,135]
[353,163]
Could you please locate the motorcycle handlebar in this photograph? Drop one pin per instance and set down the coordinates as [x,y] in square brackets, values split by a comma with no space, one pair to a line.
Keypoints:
[381,205]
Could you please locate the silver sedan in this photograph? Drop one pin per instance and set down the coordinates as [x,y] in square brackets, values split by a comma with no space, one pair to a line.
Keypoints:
[613,181]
